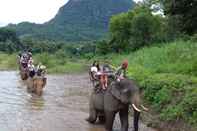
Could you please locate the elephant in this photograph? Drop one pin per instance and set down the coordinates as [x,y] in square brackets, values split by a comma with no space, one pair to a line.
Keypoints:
[116,99]
[36,85]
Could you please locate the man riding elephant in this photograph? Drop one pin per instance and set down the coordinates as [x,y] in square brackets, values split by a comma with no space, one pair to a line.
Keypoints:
[31,68]
[23,66]
[121,72]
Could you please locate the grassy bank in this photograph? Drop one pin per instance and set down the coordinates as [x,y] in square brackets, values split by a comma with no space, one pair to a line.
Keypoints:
[55,63]
[167,75]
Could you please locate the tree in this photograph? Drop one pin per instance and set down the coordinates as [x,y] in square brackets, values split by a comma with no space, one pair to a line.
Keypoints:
[9,42]
[135,29]
[103,47]
[120,31]
[185,12]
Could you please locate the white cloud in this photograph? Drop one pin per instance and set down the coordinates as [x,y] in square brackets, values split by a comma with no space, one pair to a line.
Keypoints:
[38,11]
[138,0]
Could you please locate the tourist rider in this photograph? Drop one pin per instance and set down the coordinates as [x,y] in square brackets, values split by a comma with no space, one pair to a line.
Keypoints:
[93,70]
[31,68]
[41,70]
[104,78]
[24,61]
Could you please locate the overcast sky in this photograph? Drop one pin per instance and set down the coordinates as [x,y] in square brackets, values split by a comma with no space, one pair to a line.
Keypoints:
[38,11]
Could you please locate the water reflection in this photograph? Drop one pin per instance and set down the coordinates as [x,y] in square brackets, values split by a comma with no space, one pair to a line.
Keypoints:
[35,102]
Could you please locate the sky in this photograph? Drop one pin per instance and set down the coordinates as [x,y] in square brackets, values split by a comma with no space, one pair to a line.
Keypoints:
[36,11]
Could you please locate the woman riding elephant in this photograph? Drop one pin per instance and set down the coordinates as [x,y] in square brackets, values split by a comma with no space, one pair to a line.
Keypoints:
[116,99]
[23,66]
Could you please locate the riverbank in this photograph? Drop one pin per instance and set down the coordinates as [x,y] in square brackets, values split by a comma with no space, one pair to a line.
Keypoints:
[56,64]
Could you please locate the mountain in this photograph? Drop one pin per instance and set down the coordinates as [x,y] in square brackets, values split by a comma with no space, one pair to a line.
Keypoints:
[77,20]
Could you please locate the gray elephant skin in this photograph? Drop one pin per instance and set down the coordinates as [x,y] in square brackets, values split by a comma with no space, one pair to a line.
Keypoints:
[117,98]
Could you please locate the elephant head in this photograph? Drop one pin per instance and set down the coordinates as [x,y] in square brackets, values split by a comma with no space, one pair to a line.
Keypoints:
[127,93]
[38,85]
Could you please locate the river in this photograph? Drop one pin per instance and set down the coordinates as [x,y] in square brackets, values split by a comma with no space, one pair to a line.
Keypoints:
[62,107]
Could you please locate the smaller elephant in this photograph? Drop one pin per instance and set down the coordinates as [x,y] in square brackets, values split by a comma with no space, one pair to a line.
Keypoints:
[38,85]
[116,99]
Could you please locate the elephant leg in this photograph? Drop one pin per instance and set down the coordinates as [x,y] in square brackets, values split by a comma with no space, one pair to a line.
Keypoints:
[92,116]
[39,91]
[102,119]
[136,120]
[124,119]
[110,116]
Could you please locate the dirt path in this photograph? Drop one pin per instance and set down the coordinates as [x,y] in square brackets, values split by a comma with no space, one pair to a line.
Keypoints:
[63,106]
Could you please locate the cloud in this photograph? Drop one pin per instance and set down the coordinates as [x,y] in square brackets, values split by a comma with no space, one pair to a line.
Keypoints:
[38,11]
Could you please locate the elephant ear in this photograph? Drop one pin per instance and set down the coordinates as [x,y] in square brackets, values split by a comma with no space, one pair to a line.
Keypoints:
[115,91]
[120,92]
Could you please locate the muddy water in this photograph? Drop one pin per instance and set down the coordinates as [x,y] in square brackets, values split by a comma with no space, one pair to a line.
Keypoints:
[62,107]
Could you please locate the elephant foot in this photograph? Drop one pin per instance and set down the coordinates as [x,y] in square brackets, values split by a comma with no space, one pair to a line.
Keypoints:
[101,119]
[90,120]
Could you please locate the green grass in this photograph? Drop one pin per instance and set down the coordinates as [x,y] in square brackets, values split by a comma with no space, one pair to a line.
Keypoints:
[57,63]
[8,61]
[54,63]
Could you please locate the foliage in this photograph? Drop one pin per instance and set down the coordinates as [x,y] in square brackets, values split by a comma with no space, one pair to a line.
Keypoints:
[185,12]
[103,47]
[40,46]
[137,28]
[120,31]
[9,42]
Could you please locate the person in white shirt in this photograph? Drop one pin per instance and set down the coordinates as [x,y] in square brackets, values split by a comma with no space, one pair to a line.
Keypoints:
[31,68]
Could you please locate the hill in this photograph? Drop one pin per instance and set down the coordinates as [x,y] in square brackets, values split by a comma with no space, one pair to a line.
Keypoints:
[77,20]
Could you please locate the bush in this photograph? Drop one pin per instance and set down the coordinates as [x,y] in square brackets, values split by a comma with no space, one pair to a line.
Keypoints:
[172,95]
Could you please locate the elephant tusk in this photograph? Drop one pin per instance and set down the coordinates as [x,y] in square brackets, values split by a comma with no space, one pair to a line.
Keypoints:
[144,108]
[133,105]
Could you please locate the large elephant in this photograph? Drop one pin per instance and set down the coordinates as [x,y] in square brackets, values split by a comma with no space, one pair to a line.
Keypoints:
[116,99]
